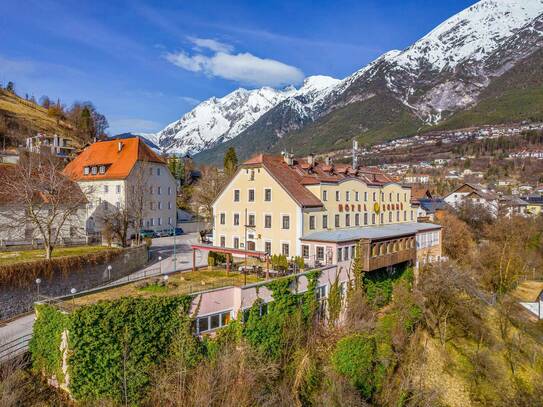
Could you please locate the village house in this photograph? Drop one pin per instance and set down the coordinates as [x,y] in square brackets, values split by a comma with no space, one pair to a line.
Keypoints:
[474,194]
[417,179]
[57,145]
[18,227]
[122,174]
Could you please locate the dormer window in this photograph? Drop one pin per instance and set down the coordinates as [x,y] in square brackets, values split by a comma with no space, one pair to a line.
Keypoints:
[94,170]
[86,171]
[102,169]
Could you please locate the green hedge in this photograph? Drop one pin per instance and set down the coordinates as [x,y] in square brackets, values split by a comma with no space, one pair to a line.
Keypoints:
[45,343]
[113,344]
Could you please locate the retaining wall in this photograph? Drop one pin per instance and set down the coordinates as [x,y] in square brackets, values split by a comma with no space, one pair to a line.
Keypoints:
[15,300]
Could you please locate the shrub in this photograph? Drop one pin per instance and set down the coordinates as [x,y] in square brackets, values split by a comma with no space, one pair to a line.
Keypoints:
[354,357]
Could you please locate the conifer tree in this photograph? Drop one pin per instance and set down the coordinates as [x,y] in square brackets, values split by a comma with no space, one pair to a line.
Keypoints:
[230,162]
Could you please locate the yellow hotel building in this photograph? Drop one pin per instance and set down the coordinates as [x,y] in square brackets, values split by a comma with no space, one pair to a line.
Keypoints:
[273,202]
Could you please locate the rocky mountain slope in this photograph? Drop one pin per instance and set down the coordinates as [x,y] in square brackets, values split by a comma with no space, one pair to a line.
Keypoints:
[432,82]
[218,120]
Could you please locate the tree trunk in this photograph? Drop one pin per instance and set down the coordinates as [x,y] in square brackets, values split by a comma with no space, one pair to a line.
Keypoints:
[48,251]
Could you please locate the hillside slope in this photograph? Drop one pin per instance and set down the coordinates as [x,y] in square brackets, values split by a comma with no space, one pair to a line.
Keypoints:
[20,118]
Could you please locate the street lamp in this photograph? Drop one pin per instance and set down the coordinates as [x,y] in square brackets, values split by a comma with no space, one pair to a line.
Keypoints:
[38,282]
[73,291]
[160,263]
[109,272]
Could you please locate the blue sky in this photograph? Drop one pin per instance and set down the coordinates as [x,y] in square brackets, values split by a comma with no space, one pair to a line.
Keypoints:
[145,63]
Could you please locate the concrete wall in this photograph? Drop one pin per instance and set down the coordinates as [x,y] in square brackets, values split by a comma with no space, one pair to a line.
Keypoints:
[16,300]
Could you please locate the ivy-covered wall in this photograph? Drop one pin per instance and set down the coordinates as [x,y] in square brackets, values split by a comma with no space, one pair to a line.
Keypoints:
[112,344]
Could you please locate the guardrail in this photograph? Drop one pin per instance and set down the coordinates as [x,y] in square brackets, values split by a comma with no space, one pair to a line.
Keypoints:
[14,347]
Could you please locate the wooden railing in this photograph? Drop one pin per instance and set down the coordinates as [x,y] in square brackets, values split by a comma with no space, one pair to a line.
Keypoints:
[390,259]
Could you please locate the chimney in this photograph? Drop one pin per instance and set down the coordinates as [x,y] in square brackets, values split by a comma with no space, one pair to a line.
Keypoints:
[119,146]
[288,157]
[311,159]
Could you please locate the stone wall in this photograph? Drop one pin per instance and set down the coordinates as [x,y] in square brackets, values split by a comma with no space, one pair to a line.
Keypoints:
[15,300]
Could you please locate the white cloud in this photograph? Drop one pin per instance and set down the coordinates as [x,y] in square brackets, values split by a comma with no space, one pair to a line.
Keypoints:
[210,44]
[244,68]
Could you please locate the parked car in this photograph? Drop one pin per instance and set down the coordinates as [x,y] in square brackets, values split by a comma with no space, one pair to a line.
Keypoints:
[147,233]
[164,232]
[178,231]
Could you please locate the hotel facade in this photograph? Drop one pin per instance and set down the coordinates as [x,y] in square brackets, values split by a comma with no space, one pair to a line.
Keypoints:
[282,205]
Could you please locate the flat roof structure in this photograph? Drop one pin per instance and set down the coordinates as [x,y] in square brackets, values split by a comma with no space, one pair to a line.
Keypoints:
[370,232]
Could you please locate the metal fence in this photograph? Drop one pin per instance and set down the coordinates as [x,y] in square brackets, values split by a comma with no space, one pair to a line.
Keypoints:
[14,347]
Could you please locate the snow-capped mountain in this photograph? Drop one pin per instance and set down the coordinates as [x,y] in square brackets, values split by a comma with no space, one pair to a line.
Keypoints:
[445,72]
[218,120]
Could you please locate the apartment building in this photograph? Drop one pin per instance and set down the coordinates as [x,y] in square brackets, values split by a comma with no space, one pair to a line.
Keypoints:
[272,202]
[125,173]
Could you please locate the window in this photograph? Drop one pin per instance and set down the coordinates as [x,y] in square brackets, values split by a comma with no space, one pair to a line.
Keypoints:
[390,196]
[169,205]
[252,178]
[398,197]
[404,216]
[339,254]
[382,218]
[236,195]
[158,190]
[305,251]
[159,205]
[151,189]
[169,190]
[94,170]
[210,322]
[375,196]
[169,220]
[286,222]
[158,172]
[150,170]
[118,189]
[411,215]
[223,241]
[325,195]
[152,222]
[320,253]
[357,196]
[251,195]
[102,169]
[357,219]
[347,219]
[347,196]
[285,249]
[86,171]
[106,189]
[397,216]
[346,254]
[365,196]
[236,219]
[337,196]
[222,218]
[312,222]
[325,221]
[373,218]
[151,205]
[236,243]
[390,216]
[336,221]
[365,218]
[252,221]
[267,221]
[267,195]
[267,247]
[159,221]
[352,252]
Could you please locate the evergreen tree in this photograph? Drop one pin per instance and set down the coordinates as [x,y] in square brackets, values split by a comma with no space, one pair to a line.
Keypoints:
[230,162]
[10,87]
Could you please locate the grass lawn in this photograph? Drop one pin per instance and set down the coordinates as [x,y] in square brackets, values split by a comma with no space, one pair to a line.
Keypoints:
[178,284]
[9,257]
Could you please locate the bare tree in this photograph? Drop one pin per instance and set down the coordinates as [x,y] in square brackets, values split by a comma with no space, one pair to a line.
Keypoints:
[41,199]
[206,191]
[138,197]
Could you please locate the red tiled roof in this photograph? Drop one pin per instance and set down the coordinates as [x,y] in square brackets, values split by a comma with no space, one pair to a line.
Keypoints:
[118,163]
[294,177]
